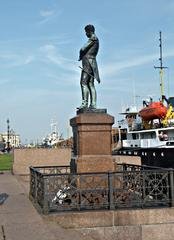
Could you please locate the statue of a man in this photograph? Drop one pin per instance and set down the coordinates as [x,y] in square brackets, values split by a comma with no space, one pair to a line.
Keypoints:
[89,72]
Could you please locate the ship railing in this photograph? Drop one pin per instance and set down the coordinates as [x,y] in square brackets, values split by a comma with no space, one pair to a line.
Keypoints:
[132,186]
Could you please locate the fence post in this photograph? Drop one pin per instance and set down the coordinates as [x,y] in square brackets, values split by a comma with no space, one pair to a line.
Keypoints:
[172,188]
[111,192]
[31,179]
[143,174]
[35,186]
[45,200]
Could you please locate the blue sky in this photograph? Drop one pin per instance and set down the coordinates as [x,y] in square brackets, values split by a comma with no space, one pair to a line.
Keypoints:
[39,47]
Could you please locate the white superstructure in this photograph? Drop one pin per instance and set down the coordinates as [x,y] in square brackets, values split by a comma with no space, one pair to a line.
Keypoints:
[152,138]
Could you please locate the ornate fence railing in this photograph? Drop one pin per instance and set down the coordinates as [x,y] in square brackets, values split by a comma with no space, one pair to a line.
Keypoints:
[56,189]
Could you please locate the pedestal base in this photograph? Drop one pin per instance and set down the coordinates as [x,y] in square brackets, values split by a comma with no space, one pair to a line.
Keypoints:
[92,141]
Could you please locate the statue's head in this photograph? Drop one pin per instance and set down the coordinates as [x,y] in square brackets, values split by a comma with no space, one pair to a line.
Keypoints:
[89,29]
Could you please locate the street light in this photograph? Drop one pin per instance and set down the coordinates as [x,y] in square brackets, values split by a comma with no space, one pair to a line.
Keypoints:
[8,135]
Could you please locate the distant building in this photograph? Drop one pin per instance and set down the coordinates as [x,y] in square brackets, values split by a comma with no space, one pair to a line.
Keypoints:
[2,144]
[14,139]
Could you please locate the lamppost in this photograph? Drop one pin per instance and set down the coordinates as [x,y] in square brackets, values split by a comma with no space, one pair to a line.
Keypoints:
[8,135]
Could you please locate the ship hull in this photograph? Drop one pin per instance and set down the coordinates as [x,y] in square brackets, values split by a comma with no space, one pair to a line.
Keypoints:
[157,157]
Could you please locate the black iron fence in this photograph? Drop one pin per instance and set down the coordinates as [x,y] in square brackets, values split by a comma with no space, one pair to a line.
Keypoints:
[56,189]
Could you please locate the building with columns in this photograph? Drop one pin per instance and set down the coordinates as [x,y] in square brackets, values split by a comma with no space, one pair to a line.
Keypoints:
[13,138]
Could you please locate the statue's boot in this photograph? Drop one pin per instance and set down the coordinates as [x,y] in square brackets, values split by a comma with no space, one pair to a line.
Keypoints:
[93,95]
[85,96]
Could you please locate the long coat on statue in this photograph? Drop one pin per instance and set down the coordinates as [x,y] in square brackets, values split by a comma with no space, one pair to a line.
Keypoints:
[88,55]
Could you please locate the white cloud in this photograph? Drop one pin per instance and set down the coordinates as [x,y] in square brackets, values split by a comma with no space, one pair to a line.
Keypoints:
[48,48]
[114,67]
[111,69]
[53,55]
[15,60]
[46,13]
[28,60]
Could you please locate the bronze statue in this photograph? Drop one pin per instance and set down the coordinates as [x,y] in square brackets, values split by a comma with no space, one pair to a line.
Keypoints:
[89,68]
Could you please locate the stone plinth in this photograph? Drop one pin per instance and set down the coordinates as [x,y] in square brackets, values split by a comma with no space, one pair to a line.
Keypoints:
[24,158]
[92,141]
[140,224]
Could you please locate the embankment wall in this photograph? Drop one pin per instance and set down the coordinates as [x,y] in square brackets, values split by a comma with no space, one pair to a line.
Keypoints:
[24,158]
[142,224]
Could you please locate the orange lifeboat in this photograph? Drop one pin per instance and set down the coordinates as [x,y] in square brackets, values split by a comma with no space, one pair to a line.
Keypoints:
[155,110]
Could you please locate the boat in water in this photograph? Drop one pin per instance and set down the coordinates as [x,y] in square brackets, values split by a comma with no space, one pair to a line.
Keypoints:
[152,140]
[150,131]
[53,138]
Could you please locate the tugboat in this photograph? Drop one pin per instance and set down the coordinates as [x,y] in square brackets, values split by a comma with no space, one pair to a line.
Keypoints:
[152,137]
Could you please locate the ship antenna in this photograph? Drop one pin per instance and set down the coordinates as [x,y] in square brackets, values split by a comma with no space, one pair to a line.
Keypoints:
[161,72]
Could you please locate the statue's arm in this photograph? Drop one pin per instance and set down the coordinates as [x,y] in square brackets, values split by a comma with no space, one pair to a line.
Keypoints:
[86,47]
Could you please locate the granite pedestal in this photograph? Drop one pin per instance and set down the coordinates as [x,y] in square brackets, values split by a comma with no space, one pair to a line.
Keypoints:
[92,141]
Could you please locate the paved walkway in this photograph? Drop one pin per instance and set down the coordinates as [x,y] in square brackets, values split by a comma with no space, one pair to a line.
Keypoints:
[19,220]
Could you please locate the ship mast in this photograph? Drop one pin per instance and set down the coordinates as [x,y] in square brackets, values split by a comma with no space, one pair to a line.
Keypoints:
[161,67]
